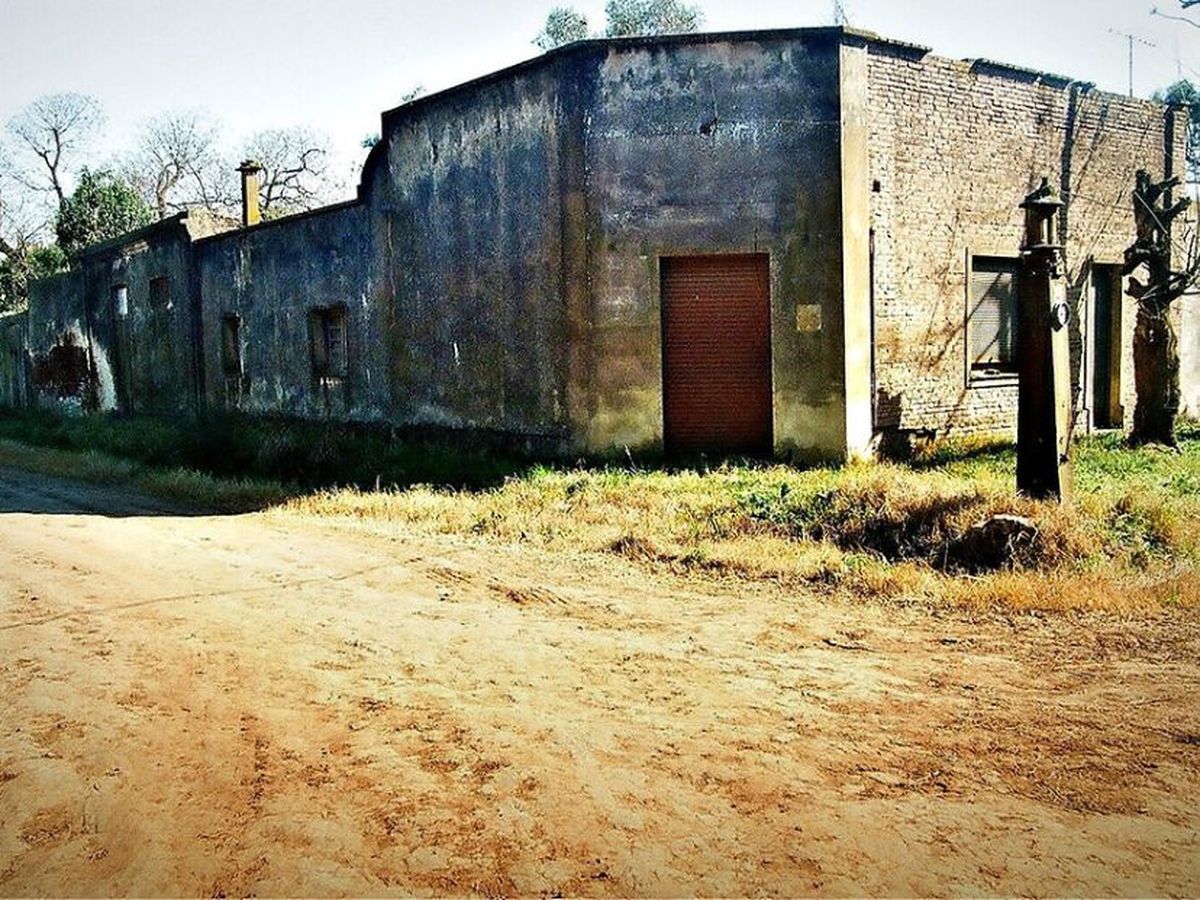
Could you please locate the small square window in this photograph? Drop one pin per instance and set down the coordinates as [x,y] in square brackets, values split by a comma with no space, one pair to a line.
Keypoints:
[992,317]
[327,342]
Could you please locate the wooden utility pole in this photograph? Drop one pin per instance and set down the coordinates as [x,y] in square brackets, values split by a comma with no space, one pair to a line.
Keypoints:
[1044,393]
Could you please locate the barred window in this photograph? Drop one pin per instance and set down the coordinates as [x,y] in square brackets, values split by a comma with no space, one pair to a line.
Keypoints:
[327,342]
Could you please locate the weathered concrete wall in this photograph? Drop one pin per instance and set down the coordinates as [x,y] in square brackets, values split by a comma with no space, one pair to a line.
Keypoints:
[955,146]
[272,277]
[71,366]
[14,361]
[466,209]
[152,347]
[86,354]
[500,268]
[729,146]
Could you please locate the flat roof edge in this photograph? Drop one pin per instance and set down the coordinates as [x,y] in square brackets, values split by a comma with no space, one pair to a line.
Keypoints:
[292,218]
[578,48]
[137,234]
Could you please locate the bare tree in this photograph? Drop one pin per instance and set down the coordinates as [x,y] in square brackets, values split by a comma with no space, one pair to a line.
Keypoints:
[297,174]
[1155,344]
[176,164]
[54,130]
[25,220]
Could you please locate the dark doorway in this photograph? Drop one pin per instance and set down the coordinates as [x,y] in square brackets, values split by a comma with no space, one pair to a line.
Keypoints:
[1106,347]
[716,315]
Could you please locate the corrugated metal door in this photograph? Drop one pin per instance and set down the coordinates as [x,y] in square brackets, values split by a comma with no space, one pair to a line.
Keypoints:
[716,313]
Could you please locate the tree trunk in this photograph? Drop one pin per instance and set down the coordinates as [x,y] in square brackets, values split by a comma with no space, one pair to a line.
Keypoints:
[1156,376]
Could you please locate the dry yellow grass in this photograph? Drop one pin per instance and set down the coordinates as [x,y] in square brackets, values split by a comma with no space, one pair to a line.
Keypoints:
[877,531]
[862,531]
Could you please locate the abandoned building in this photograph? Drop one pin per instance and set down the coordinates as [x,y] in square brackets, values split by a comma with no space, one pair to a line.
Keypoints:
[798,241]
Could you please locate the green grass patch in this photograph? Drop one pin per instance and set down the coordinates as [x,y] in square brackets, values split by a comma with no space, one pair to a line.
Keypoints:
[190,489]
[304,454]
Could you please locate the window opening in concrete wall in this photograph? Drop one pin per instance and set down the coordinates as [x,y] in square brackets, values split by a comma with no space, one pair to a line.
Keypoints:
[992,312]
[120,299]
[160,292]
[232,366]
[231,345]
[327,342]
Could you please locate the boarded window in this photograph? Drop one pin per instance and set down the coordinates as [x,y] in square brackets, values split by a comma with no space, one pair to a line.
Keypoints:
[327,342]
[231,345]
[160,292]
[992,316]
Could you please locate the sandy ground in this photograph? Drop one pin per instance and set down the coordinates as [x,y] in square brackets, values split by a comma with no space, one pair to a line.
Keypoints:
[266,705]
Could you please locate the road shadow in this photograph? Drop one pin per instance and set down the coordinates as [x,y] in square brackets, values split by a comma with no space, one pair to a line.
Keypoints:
[37,494]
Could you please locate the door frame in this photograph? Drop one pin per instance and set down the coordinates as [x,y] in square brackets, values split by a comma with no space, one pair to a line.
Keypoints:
[764,256]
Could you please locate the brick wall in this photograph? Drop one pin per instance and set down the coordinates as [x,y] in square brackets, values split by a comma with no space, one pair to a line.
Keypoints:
[954,148]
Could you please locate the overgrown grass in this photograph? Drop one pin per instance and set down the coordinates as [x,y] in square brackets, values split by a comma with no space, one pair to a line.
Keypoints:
[1131,538]
[885,530]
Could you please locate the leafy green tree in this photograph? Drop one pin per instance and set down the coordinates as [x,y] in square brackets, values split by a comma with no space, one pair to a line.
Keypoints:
[628,18]
[563,26]
[1184,93]
[102,207]
[18,270]
[625,18]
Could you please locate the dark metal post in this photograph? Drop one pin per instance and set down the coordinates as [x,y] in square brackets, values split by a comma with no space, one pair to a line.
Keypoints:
[1044,406]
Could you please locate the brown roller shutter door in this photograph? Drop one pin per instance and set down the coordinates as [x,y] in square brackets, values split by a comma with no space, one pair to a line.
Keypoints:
[716,354]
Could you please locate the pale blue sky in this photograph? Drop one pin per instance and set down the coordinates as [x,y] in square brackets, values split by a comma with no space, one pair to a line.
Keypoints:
[336,64]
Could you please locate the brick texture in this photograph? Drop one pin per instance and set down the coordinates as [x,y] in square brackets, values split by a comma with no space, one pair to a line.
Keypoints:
[954,148]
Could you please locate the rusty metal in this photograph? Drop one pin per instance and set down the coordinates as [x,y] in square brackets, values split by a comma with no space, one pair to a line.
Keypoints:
[716,354]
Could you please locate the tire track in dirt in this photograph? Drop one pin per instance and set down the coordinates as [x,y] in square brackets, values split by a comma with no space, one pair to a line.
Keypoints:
[207,711]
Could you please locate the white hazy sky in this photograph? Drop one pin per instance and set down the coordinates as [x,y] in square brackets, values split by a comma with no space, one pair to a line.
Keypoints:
[336,64]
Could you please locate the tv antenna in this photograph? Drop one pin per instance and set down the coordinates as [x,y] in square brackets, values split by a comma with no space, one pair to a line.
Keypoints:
[1131,39]
[839,13]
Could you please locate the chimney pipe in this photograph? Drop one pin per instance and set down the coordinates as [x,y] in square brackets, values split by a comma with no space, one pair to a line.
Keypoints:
[250,170]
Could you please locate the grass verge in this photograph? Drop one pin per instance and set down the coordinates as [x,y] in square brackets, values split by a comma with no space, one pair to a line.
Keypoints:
[876,531]
[187,487]
[899,532]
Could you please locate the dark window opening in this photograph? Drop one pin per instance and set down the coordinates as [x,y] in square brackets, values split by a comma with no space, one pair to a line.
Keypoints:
[992,317]
[160,292]
[1107,411]
[231,345]
[327,342]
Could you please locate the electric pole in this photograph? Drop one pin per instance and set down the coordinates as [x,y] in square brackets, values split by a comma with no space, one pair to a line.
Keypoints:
[1132,39]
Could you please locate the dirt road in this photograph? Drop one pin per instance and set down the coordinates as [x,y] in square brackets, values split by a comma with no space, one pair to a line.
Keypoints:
[264,705]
